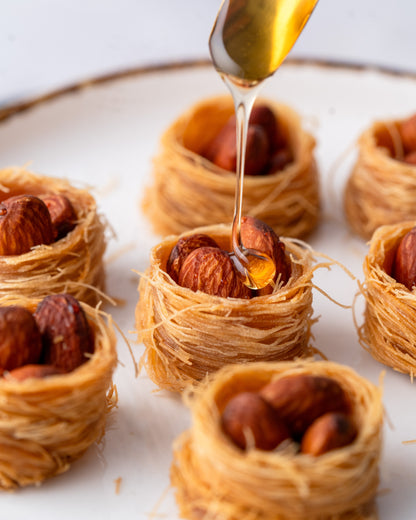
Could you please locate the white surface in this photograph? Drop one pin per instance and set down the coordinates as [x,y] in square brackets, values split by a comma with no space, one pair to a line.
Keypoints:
[105,136]
[45,44]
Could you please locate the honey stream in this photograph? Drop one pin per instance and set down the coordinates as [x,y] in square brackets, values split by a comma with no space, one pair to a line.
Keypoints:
[249,41]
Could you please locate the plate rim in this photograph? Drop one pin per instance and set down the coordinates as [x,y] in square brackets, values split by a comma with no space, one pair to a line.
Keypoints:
[9,110]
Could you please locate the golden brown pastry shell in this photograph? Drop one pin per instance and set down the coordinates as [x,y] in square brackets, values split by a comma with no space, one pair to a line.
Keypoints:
[388,332]
[214,479]
[73,264]
[380,190]
[190,334]
[46,424]
[189,191]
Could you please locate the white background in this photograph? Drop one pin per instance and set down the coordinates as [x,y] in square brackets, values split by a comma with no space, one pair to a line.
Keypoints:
[45,44]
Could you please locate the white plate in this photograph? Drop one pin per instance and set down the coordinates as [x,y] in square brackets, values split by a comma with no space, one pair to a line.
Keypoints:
[105,136]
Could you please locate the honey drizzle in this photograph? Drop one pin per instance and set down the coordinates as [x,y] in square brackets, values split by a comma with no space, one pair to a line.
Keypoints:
[256,268]
[248,42]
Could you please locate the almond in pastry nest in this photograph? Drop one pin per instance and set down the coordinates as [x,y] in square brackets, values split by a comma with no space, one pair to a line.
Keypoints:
[193,179]
[53,407]
[388,330]
[381,188]
[52,238]
[211,320]
[332,472]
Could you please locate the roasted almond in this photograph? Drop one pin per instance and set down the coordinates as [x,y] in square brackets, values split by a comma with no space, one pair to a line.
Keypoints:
[66,335]
[210,270]
[223,149]
[24,223]
[279,160]
[263,116]
[249,421]
[62,214]
[256,234]
[20,340]
[410,158]
[181,250]
[404,268]
[328,432]
[300,399]
[34,371]
[407,130]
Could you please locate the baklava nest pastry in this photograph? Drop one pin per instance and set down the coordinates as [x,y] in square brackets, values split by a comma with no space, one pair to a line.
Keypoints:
[381,188]
[194,182]
[67,257]
[188,334]
[57,358]
[216,479]
[388,331]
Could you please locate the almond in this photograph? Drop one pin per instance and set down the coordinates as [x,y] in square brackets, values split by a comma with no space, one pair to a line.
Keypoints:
[256,234]
[407,130]
[263,116]
[62,214]
[404,267]
[210,270]
[24,223]
[223,149]
[410,158]
[279,160]
[300,399]
[34,371]
[66,336]
[181,250]
[328,432]
[248,419]
[20,340]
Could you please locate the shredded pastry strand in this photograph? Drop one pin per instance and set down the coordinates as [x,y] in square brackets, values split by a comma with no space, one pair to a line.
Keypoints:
[189,191]
[189,334]
[45,424]
[73,264]
[381,190]
[388,331]
[214,480]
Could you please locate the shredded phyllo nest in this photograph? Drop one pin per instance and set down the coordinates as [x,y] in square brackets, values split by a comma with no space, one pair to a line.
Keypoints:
[381,188]
[73,264]
[215,479]
[388,331]
[46,423]
[190,334]
[189,191]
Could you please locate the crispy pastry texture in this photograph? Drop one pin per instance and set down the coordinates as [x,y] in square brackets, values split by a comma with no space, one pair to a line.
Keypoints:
[388,331]
[45,424]
[73,264]
[189,191]
[214,479]
[190,334]
[381,190]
